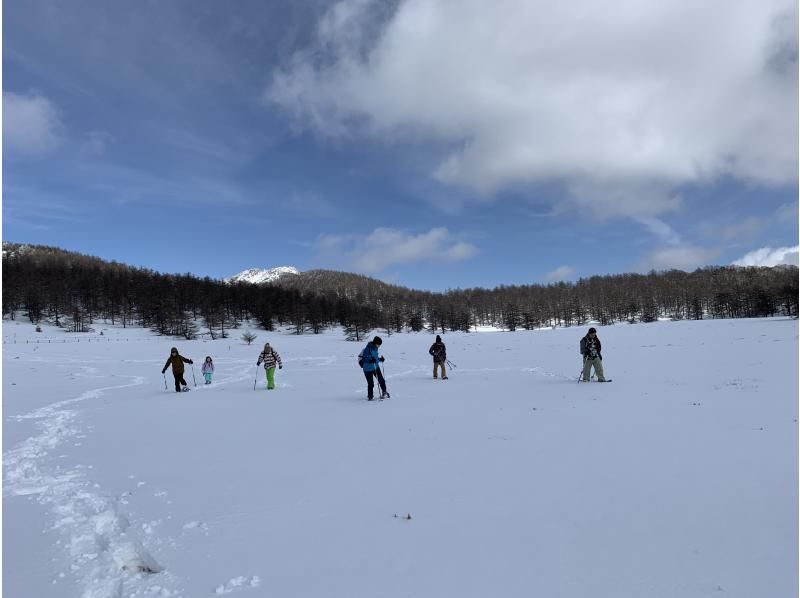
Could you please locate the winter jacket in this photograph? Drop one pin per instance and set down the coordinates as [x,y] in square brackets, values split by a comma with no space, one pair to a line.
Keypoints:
[371,358]
[270,358]
[439,352]
[177,363]
[208,367]
[588,345]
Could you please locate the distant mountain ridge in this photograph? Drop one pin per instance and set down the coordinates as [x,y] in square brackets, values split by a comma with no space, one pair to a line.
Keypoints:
[263,275]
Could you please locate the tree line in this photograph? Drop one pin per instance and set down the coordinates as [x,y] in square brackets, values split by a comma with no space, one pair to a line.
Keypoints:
[74,291]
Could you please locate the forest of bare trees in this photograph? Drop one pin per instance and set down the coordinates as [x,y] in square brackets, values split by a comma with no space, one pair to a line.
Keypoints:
[74,291]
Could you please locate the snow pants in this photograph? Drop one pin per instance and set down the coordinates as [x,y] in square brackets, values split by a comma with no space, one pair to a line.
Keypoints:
[436,366]
[598,368]
[178,381]
[371,382]
[207,376]
[270,378]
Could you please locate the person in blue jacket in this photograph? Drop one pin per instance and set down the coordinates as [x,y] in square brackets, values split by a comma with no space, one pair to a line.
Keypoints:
[370,361]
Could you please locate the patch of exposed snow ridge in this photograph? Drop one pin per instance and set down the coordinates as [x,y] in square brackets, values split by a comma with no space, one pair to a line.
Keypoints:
[260,275]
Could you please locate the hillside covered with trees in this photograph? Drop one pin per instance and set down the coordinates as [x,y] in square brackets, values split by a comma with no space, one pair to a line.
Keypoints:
[74,291]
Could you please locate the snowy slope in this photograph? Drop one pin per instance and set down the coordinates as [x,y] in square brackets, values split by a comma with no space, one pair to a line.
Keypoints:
[261,276]
[679,479]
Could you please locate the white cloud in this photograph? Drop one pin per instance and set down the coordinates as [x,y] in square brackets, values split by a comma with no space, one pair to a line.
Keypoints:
[767,256]
[744,230]
[560,273]
[660,229]
[31,124]
[621,103]
[386,247]
[680,257]
[96,143]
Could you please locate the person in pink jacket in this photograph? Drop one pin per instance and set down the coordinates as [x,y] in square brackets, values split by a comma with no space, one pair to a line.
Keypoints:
[208,369]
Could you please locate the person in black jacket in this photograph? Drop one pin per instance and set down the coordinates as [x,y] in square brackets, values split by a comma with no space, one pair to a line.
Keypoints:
[439,353]
[176,361]
[590,349]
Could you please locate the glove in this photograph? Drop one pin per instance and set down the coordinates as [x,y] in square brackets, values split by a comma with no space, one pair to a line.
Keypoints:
[164,370]
[258,364]
[189,361]
[383,358]
[280,367]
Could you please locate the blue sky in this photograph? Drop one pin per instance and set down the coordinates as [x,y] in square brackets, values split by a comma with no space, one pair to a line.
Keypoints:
[432,144]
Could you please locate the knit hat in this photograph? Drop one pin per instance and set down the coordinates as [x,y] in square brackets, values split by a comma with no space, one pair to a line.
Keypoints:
[377,341]
[438,339]
[592,330]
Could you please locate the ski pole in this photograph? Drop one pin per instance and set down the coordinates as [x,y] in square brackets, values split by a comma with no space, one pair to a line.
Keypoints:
[451,364]
[255,379]
[165,381]
[193,377]
[583,368]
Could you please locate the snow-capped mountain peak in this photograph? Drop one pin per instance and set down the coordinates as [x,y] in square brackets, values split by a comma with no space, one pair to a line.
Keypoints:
[261,275]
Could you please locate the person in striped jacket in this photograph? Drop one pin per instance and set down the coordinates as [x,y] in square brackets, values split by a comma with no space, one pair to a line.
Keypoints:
[270,359]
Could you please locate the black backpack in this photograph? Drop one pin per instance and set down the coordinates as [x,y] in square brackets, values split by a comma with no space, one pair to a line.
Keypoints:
[362,356]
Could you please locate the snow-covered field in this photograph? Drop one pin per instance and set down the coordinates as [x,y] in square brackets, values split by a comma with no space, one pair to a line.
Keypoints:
[677,480]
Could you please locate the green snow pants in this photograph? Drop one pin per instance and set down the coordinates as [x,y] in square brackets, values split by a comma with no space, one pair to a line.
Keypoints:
[270,378]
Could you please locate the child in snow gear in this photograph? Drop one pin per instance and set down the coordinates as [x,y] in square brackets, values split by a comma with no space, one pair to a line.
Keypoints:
[208,369]
[270,359]
[439,353]
[370,361]
[177,361]
[590,349]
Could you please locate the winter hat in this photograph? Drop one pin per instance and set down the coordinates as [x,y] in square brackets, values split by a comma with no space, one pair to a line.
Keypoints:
[173,350]
[592,330]
[438,339]
[377,341]
[266,347]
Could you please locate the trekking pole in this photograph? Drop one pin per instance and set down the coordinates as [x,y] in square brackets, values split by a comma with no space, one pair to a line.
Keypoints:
[193,377]
[383,373]
[165,381]
[255,379]
[451,364]
[581,374]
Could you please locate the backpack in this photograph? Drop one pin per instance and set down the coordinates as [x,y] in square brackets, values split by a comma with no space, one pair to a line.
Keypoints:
[362,356]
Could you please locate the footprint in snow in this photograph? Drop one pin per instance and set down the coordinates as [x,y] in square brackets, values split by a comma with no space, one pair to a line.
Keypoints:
[238,583]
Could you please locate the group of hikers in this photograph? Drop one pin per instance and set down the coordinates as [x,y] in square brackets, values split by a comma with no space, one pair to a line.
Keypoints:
[370,359]
[269,357]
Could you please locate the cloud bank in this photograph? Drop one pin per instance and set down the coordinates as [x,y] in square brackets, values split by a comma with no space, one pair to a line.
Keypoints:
[560,273]
[386,247]
[767,256]
[620,103]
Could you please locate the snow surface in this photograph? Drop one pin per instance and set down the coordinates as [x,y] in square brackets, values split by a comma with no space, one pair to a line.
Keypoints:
[679,479]
[261,276]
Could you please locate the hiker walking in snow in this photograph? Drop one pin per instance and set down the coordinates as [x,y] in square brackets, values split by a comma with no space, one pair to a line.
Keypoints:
[270,359]
[370,361]
[208,369]
[439,353]
[590,349]
[176,361]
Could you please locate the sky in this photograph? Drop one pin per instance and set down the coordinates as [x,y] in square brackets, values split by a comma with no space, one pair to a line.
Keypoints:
[433,144]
